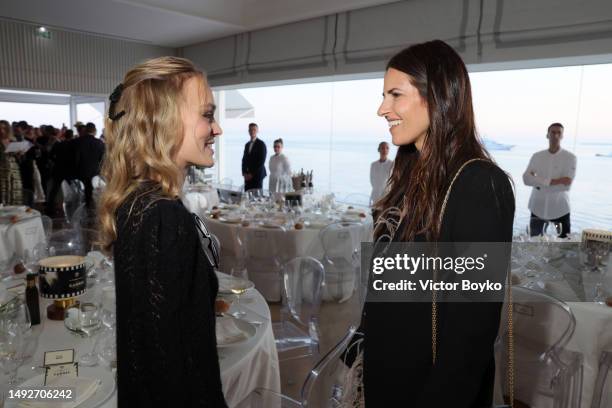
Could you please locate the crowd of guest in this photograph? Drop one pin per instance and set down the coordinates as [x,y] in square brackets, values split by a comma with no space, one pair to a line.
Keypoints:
[34,161]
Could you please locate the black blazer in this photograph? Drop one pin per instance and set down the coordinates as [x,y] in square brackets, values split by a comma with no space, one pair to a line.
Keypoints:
[255,161]
[88,156]
[398,354]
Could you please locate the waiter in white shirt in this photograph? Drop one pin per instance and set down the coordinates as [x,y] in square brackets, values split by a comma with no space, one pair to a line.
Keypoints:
[550,173]
[380,170]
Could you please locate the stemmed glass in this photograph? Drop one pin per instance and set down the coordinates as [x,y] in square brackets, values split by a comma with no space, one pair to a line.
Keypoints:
[239,286]
[84,319]
[105,347]
[11,350]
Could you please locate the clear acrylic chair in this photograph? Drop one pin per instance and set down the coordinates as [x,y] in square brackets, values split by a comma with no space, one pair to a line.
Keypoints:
[83,217]
[602,399]
[74,195]
[266,251]
[341,248]
[297,333]
[47,223]
[28,236]
[546,373]
[324,386]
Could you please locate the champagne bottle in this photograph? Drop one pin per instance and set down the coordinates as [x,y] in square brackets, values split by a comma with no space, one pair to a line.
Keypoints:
[32,300]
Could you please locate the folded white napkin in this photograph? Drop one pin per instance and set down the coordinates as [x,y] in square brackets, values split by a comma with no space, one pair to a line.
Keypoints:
[227,331]
[83,388]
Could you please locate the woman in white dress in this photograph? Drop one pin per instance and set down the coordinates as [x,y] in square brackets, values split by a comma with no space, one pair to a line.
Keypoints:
[280,170]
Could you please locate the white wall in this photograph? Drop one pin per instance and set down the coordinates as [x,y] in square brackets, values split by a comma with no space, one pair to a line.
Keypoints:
[69,62]
[501,34]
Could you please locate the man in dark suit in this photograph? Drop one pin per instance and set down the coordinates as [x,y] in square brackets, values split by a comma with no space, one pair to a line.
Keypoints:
[62,155]
[88,157]
[253,160]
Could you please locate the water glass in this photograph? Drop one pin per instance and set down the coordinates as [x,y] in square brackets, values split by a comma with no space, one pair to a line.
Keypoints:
[11,351]
[84,319]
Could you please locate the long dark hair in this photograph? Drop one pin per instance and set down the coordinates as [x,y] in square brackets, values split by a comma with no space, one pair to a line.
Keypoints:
[420,179]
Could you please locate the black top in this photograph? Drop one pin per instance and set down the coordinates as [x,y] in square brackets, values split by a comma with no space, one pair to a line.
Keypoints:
[166,289]
[88,156]
[63,155]
[398,347]
[254,162]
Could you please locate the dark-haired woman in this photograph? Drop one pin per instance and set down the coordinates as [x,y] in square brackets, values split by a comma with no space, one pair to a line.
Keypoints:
[428,105]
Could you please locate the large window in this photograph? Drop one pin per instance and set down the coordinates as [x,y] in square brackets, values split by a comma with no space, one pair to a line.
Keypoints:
[332,128]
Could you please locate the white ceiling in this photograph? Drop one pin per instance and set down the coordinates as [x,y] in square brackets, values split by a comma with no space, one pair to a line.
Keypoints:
[173,23]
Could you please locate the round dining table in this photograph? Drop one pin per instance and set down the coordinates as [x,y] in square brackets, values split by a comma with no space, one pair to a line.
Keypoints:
[561,274]
[244,367]
[265,246]
[21,229]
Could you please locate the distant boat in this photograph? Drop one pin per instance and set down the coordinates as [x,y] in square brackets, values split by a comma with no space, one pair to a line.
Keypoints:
[493,145]
[603,155]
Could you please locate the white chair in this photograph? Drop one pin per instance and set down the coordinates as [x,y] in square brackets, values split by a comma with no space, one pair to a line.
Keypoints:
[546,373]
[341,248]
[324,386]
[603,382]
[301,299]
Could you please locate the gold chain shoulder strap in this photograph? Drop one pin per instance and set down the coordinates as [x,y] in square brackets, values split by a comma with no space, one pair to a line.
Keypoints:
[434,307]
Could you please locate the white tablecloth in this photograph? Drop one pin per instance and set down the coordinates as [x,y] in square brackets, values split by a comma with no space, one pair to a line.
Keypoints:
[593,333]
[262,243]
[243,368]
[24,235]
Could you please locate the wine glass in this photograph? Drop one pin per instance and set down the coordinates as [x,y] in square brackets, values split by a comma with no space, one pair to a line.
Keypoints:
[90,320]
[11,351]
[238,286]
[18,315]
[106,348]
[109,316]
[600,294]
[84,320]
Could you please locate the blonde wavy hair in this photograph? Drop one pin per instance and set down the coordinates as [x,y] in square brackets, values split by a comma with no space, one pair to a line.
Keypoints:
[141,145]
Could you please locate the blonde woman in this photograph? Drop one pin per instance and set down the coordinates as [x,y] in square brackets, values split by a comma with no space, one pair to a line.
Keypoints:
[161,120]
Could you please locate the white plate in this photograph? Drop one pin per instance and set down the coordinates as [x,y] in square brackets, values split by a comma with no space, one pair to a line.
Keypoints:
[104,391]
[250,330]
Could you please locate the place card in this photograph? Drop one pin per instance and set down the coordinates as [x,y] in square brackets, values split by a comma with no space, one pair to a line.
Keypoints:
[60,363]
[53,372]
[58,357]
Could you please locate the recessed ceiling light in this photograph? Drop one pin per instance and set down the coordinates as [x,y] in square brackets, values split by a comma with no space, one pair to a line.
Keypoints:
[43,32]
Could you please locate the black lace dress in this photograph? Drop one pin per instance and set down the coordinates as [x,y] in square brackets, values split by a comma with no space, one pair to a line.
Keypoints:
[166,289]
